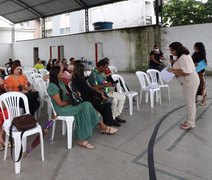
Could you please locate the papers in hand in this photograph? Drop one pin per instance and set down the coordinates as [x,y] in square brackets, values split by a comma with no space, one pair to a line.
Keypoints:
[201,65]
[166,75]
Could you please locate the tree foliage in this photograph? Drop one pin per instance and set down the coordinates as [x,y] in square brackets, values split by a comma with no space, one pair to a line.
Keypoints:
[185,12]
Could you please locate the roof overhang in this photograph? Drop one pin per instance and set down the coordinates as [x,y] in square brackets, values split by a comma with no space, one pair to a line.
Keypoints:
[18,11]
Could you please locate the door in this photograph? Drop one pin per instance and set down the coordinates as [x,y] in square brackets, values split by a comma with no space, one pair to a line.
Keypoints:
[35,54]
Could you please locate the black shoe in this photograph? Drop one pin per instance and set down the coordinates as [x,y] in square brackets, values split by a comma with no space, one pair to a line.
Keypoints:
[118,119]
[115,123]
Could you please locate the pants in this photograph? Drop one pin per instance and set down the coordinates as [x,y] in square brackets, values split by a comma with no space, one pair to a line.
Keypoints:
[190,85]
[117,103]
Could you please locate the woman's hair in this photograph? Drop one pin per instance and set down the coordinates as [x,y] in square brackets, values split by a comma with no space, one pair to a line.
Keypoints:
[201,49]
[14,66]
[179,48]
[79,69]
[53,73]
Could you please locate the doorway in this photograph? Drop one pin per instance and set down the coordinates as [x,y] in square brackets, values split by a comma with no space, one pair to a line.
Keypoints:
[35,54]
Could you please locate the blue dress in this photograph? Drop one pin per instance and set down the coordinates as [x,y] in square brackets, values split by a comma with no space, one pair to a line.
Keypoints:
[86,117]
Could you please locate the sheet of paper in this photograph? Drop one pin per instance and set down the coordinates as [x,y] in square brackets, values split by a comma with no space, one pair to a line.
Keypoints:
[166,75]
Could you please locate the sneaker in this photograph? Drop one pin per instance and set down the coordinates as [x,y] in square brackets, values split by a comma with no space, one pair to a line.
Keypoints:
[118,119]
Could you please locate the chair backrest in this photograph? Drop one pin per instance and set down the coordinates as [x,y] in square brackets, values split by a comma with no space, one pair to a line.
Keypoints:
[26,68]
[143,79]
[11,101]
[28,73]
[5,70]
[34,76]
[40,86]
[155,76]
[43,72]
[121,85]
[113,69]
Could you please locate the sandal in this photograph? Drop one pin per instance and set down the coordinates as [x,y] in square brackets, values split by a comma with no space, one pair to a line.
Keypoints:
[1,146]
[110,130]
[203,103]
[87,145]
[185,126]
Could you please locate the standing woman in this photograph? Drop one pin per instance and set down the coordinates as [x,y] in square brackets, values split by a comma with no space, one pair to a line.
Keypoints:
[184,70]
[199,55]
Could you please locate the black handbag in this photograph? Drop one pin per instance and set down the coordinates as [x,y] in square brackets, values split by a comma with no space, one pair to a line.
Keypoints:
[74,95]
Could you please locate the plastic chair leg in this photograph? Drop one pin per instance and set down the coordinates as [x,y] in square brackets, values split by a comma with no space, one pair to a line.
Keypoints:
[69,126]
[130,104]
[53,130]
[137,103]
[17,148]
[41,145]
[6,146]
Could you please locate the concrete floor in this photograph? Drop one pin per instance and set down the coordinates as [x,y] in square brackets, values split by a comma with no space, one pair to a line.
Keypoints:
[178,154]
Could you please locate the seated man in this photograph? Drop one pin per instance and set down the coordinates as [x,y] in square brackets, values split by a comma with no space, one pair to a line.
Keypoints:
[98,81]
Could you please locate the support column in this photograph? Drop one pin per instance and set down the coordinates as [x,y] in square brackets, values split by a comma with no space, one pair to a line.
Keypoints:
[86,21]
[43,24]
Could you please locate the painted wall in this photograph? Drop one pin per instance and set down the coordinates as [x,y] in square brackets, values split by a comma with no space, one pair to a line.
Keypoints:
[127,48]
[6,53]
[188,36]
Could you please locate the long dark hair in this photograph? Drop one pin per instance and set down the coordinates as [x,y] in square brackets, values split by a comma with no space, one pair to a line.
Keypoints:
[179,48]
[54,71]
[201,50]
[79,69]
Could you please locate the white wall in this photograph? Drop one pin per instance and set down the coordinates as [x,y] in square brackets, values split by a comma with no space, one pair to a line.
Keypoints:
[188,36]
[6,53]
[123,47]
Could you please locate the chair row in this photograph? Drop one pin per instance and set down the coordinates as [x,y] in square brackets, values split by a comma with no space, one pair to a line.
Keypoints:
[151,83]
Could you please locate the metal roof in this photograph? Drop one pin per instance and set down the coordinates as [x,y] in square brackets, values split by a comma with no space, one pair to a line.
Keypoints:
[18,11]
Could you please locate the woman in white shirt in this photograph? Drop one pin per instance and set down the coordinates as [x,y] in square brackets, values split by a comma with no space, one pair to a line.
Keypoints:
[184,70]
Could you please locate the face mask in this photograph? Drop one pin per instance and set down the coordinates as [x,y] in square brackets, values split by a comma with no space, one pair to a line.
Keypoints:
[156,50]
[175,58]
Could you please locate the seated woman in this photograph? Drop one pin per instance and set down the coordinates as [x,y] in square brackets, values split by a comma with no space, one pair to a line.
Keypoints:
[18,82]
[91,95]
[85,115]
[39,64]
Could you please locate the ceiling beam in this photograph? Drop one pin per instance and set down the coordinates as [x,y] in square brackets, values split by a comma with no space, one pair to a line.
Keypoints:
[28,8]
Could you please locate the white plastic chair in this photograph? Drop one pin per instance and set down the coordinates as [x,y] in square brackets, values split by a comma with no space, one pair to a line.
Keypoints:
[43,72]
[28,74]
[26,68]
[66,121]
[10,101]
[5,70]
[113,69]
[124,90]
[147,88]
[156,79]
[35,76]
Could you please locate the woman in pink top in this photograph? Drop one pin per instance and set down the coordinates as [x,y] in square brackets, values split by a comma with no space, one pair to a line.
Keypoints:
[184,70]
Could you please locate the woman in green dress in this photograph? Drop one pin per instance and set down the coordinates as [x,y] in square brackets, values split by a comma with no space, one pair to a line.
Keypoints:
[86,117]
